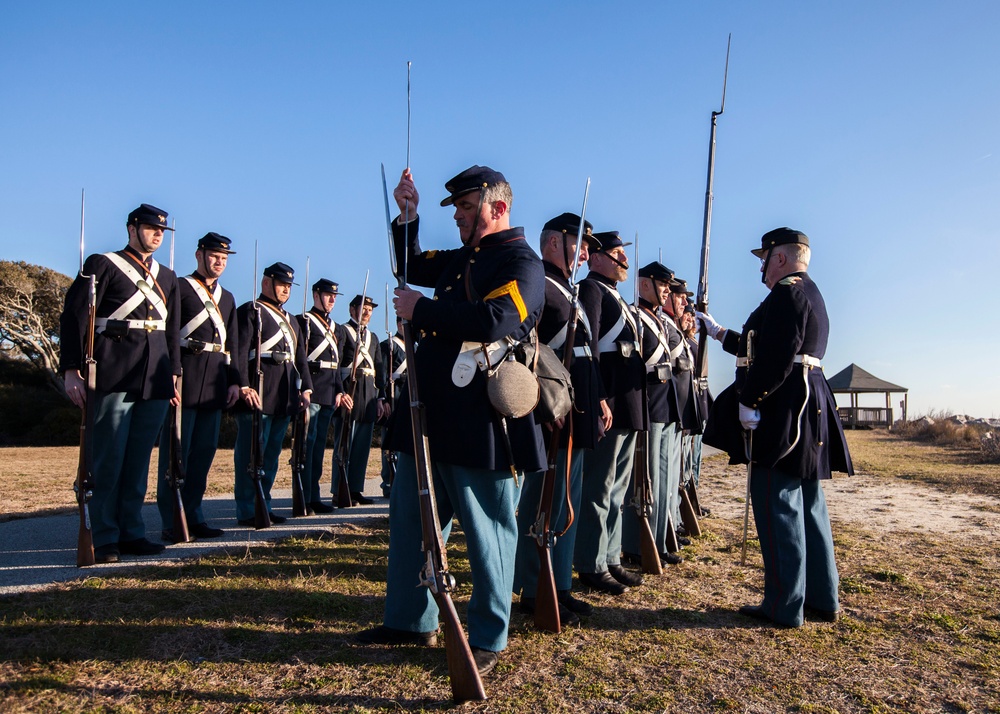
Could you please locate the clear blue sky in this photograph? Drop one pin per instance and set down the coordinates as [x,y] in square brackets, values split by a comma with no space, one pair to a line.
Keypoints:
[871,126]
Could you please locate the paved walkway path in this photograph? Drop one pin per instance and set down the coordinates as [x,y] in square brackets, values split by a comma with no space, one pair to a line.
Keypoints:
[36,553]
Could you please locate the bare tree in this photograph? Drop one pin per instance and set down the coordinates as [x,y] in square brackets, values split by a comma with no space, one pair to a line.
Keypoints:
[31,301]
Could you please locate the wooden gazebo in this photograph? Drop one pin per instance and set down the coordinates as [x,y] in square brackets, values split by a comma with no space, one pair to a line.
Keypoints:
[855,381]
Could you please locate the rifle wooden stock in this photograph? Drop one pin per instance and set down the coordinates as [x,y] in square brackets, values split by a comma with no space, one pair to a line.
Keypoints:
[688,516]
[692,492]
[175,475]
[466,685]
[84,471]
[642,501]
[546,599]
[672,544]
[300,430]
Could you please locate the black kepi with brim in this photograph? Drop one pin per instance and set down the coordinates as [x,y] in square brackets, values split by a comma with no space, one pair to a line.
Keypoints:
[368,301]
[326,286]
[656,271]
[569,224]
[779,236]
[280,272]
[147,215]
[215,242]
[610,240]
[472,179]
[680,287]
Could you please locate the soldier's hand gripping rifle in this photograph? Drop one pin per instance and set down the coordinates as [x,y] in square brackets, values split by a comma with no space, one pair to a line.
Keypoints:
[342,454]
[701,360]
[300,428]
[84,484]
[642,487]
[466,684]
[546,595]
[175,464]
[261,515]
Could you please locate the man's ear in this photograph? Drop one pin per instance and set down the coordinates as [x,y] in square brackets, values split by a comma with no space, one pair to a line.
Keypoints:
[499,209]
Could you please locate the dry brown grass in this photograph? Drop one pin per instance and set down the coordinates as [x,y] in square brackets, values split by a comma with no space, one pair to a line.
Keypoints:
[270,630]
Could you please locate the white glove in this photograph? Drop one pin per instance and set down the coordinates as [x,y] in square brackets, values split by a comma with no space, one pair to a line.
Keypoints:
[749,418]
[713,328]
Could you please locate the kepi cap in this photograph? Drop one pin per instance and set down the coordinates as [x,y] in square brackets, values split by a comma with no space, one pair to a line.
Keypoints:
[368,301]
[280,272]
[656,271]
[147,215]
[326,286]
[569,223]
[472,179]
[216,242]
[779,236]
[609,240]
[680,287]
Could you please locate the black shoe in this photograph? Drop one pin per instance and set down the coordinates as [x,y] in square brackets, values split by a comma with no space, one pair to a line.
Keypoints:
[823,615]
[320,507]
[203,530]
[361,499]
[383,635]
[248,522]
[486,660]
[602,582]
[756,612]
[705,512]
[681,540]
[106,554]
[671,558]
[140,546]
[566,618]
[275,520]
[625,577]
[574,605]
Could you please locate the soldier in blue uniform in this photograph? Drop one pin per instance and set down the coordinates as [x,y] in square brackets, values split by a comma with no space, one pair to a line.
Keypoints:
[783,403]
[323,356]
[394,389]
[137,350]
[360,356]
[660,349]
[558,248]
[692,444]
[209,341]
[287,384]
[487,292]
[607,470]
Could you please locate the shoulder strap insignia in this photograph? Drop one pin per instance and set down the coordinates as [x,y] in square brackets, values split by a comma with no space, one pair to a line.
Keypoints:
[791,280]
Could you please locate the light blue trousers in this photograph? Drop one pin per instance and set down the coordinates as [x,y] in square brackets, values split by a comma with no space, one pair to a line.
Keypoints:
[124,432]
[319,428]
[199,441]
[526,572]
[796,543]
[272,431]
[484,503]
[607,471]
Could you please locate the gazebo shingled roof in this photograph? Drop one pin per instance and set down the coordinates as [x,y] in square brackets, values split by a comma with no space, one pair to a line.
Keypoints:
[854,379]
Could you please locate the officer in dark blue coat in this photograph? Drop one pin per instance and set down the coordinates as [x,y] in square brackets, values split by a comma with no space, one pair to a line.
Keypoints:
[789,418]
[137,351]
[323,355]
[360,361]
[607,471]
[487,292]
[558,249]
[660,348]
[209,343]
[287,383]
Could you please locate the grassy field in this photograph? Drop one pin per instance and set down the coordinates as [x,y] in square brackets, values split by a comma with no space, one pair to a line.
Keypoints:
[270,629]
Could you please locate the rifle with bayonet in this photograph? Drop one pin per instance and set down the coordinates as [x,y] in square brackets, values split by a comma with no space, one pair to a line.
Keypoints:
[300,427]
[546,595]
[642,487]
[84,484]
[701,360]
[466,683]
[261,515]
[175,462]
[342,454]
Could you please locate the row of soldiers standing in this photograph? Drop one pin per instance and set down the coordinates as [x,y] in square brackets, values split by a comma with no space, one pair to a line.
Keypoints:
[152,326]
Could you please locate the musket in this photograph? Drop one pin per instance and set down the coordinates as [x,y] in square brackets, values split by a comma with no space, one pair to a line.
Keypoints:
[541,530]
[300,427]
[261,515]
[84,484]
[701,360]
[343,452]
[642,487]
[175,463]
[466,683]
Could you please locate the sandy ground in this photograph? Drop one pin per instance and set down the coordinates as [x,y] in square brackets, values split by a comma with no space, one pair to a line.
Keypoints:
[874,502]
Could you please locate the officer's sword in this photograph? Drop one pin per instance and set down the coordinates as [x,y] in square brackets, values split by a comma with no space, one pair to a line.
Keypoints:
[749,439]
